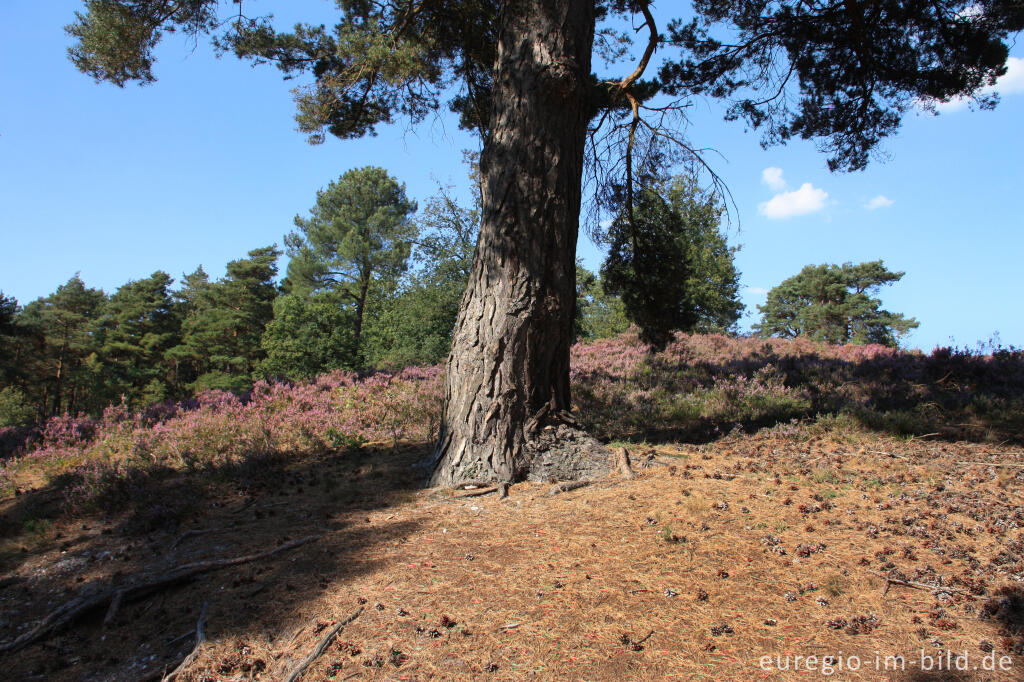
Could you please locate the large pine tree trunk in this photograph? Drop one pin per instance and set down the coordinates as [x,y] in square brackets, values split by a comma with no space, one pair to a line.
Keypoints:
[507,405]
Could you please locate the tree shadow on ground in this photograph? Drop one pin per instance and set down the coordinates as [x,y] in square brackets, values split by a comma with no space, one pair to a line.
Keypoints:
[936,676]
[1006,607]
[947,395]
[150,521]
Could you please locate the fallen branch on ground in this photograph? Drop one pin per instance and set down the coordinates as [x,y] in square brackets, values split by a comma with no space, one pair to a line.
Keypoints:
[991,464]
[200,638]
[881,452]
[135,589]
[934,589]
[566,487]
[321,647]
[955,461]
[476,492]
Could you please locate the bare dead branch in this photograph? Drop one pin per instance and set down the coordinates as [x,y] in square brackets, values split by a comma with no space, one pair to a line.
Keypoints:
[566,487]
[136,588]
[321,647]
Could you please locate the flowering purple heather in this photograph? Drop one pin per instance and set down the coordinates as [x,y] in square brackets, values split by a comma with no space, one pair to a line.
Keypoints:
[704,382]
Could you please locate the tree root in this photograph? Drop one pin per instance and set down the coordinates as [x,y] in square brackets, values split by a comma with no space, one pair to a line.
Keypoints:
[115,604]
[200,638]
[135,589]
[321,647]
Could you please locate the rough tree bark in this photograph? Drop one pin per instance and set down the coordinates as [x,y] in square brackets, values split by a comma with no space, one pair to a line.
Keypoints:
[506,414]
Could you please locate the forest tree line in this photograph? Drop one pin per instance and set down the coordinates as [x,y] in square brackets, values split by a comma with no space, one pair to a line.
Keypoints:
[371,282]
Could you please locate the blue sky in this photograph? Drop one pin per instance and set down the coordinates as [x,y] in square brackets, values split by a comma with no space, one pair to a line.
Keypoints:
[206,164]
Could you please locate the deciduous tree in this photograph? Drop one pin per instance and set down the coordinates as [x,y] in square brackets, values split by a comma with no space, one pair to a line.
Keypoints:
[308,335]
[599,315]
[414,325]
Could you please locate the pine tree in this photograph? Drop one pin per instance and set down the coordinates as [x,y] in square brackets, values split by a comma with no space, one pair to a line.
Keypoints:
[9,310]
[355,242]
[413,326]
[15,409]
[831,303]
[64,362]
[224,323]
[138,326]
[520,74]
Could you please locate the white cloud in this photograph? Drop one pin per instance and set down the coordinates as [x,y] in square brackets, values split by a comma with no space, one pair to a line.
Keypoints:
[881,201]
[760,291]
[772,177]
[970,12]
[807,199]
[1010,83]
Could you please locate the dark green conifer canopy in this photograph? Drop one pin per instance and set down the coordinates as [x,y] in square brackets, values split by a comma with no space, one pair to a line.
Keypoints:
[839,71]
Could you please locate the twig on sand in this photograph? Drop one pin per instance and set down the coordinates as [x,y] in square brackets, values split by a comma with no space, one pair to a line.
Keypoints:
[10,580]
[200,638]
[136,588]
[321,647]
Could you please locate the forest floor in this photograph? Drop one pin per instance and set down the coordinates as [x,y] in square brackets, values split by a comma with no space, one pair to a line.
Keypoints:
[721,561]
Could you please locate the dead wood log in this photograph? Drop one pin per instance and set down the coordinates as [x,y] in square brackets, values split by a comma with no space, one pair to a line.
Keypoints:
[136,588]
[321,647]
[623,464]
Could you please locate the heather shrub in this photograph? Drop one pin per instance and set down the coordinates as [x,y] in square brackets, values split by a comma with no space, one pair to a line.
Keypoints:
[699,387]
[705,384]
[95,461]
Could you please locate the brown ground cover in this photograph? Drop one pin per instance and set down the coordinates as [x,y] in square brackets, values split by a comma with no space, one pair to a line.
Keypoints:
[714,557]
